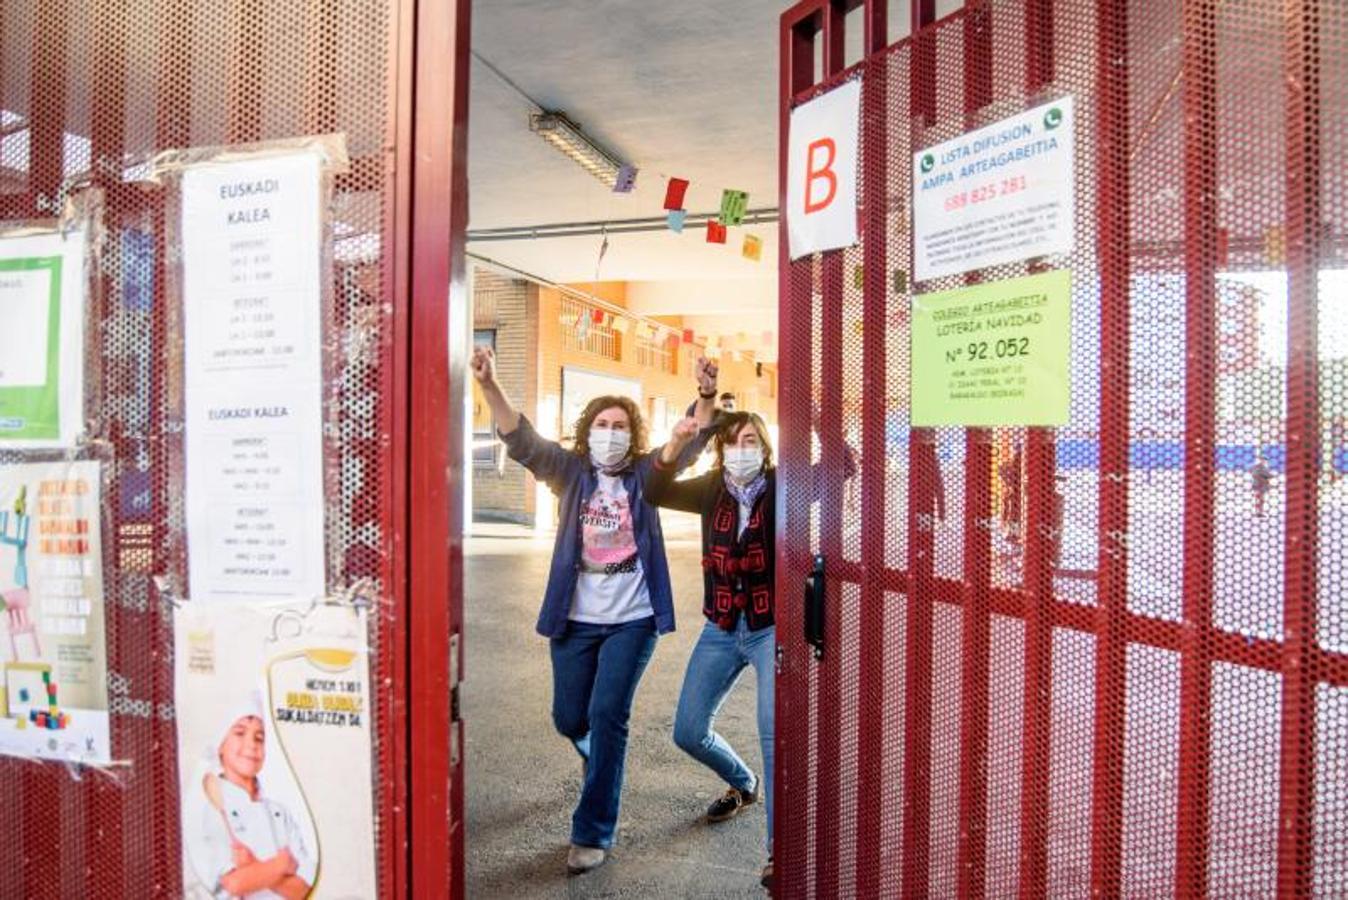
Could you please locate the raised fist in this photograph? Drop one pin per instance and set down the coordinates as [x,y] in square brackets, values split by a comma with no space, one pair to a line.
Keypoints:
[707,370]
[483,364]
[684,431]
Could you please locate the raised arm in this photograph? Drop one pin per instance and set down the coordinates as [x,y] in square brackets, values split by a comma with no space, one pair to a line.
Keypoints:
[685,432]
[705,409]
[546,459]
[483,366]
[661,488]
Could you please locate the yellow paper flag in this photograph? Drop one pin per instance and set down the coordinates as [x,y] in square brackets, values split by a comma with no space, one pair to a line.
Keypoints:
[753,247]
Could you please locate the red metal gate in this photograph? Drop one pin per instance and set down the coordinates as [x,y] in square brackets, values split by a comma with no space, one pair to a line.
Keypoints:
[92,90]
[1139,685]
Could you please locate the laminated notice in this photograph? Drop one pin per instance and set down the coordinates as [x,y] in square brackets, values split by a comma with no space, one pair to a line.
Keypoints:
[252,236]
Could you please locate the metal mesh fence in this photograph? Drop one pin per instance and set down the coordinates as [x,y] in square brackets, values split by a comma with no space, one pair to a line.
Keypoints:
[1105,658]
[90,91]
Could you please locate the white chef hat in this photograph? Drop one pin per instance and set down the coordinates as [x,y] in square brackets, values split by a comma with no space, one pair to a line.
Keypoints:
[246,704]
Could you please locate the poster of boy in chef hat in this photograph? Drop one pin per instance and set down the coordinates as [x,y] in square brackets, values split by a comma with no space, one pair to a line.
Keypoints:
[252,838]
[274,742]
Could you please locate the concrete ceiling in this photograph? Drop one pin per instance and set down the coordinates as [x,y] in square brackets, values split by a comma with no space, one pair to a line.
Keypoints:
[685,89]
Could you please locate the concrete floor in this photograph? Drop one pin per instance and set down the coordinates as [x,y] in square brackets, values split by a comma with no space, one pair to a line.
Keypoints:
[523,778]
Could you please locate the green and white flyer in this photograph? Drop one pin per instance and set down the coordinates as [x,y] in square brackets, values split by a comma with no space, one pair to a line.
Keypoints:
[993,354]
[42,309]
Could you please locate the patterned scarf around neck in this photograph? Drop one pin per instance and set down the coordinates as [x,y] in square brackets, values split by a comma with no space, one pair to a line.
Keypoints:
[747,494]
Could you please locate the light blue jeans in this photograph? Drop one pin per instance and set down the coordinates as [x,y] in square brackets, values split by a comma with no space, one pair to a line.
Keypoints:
[718,660]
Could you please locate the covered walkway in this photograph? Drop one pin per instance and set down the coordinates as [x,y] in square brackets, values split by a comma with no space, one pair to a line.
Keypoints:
[526,778]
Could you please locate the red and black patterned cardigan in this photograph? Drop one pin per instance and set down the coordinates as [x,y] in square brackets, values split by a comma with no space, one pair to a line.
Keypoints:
[738,572]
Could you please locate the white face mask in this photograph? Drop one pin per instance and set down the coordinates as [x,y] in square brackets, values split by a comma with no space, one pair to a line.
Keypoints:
[608,447]
[743,463]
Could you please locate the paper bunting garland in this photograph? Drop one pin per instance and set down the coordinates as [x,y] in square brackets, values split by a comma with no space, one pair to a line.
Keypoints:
[675,220]
[734,204]
[753,247]
[627,180]
[674,193]
[688,335]
[715,232]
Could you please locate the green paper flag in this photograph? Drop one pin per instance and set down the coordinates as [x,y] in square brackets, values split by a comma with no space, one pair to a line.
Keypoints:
[734,204]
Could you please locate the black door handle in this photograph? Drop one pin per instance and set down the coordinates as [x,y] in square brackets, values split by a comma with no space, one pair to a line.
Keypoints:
[814,607]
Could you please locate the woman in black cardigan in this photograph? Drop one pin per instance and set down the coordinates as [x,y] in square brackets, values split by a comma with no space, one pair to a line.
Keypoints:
[735,501]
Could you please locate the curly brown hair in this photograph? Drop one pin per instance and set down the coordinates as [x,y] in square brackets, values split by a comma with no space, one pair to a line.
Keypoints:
[728,431]
[636,424]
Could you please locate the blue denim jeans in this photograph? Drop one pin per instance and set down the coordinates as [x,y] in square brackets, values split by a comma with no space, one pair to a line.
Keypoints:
[595,671]
[718,660]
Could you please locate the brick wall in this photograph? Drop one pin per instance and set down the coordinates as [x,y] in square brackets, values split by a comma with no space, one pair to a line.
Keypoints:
[510,306]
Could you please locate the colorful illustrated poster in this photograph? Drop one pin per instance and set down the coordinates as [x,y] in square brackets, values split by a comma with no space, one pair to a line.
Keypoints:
[252,273]
[42,288]
[273,710]
[54,704]
[994,354]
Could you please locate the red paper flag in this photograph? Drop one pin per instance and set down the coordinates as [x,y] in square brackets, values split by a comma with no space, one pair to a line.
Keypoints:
[674,193]
[715,232]
[597,317]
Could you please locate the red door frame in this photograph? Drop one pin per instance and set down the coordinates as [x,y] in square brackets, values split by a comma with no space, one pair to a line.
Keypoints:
[429,370]
[424,160]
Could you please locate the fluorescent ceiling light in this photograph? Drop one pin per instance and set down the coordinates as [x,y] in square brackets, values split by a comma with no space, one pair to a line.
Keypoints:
[566,136]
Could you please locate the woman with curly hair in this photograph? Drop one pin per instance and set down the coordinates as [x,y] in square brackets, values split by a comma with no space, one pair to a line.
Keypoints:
[608,593]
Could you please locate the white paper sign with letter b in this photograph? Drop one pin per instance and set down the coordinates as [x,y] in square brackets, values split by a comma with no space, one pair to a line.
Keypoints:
[821,192]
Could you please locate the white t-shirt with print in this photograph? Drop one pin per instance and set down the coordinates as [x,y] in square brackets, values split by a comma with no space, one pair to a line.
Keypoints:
[611,588]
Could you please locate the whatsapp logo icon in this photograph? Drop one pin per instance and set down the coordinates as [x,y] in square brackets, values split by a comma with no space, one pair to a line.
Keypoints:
[928,163]
[1053,118]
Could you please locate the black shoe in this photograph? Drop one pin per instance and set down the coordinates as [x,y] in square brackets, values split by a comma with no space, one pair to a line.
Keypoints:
[730,805]
[766,880]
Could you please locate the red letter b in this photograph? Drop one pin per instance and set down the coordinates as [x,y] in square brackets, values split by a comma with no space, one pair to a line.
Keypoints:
[813,174]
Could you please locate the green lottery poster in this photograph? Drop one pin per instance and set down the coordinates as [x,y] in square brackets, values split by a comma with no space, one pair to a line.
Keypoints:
[995,354]
[42,310]
[274,743]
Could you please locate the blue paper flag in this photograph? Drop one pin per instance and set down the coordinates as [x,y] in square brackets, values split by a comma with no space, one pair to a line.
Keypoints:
[675,218]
